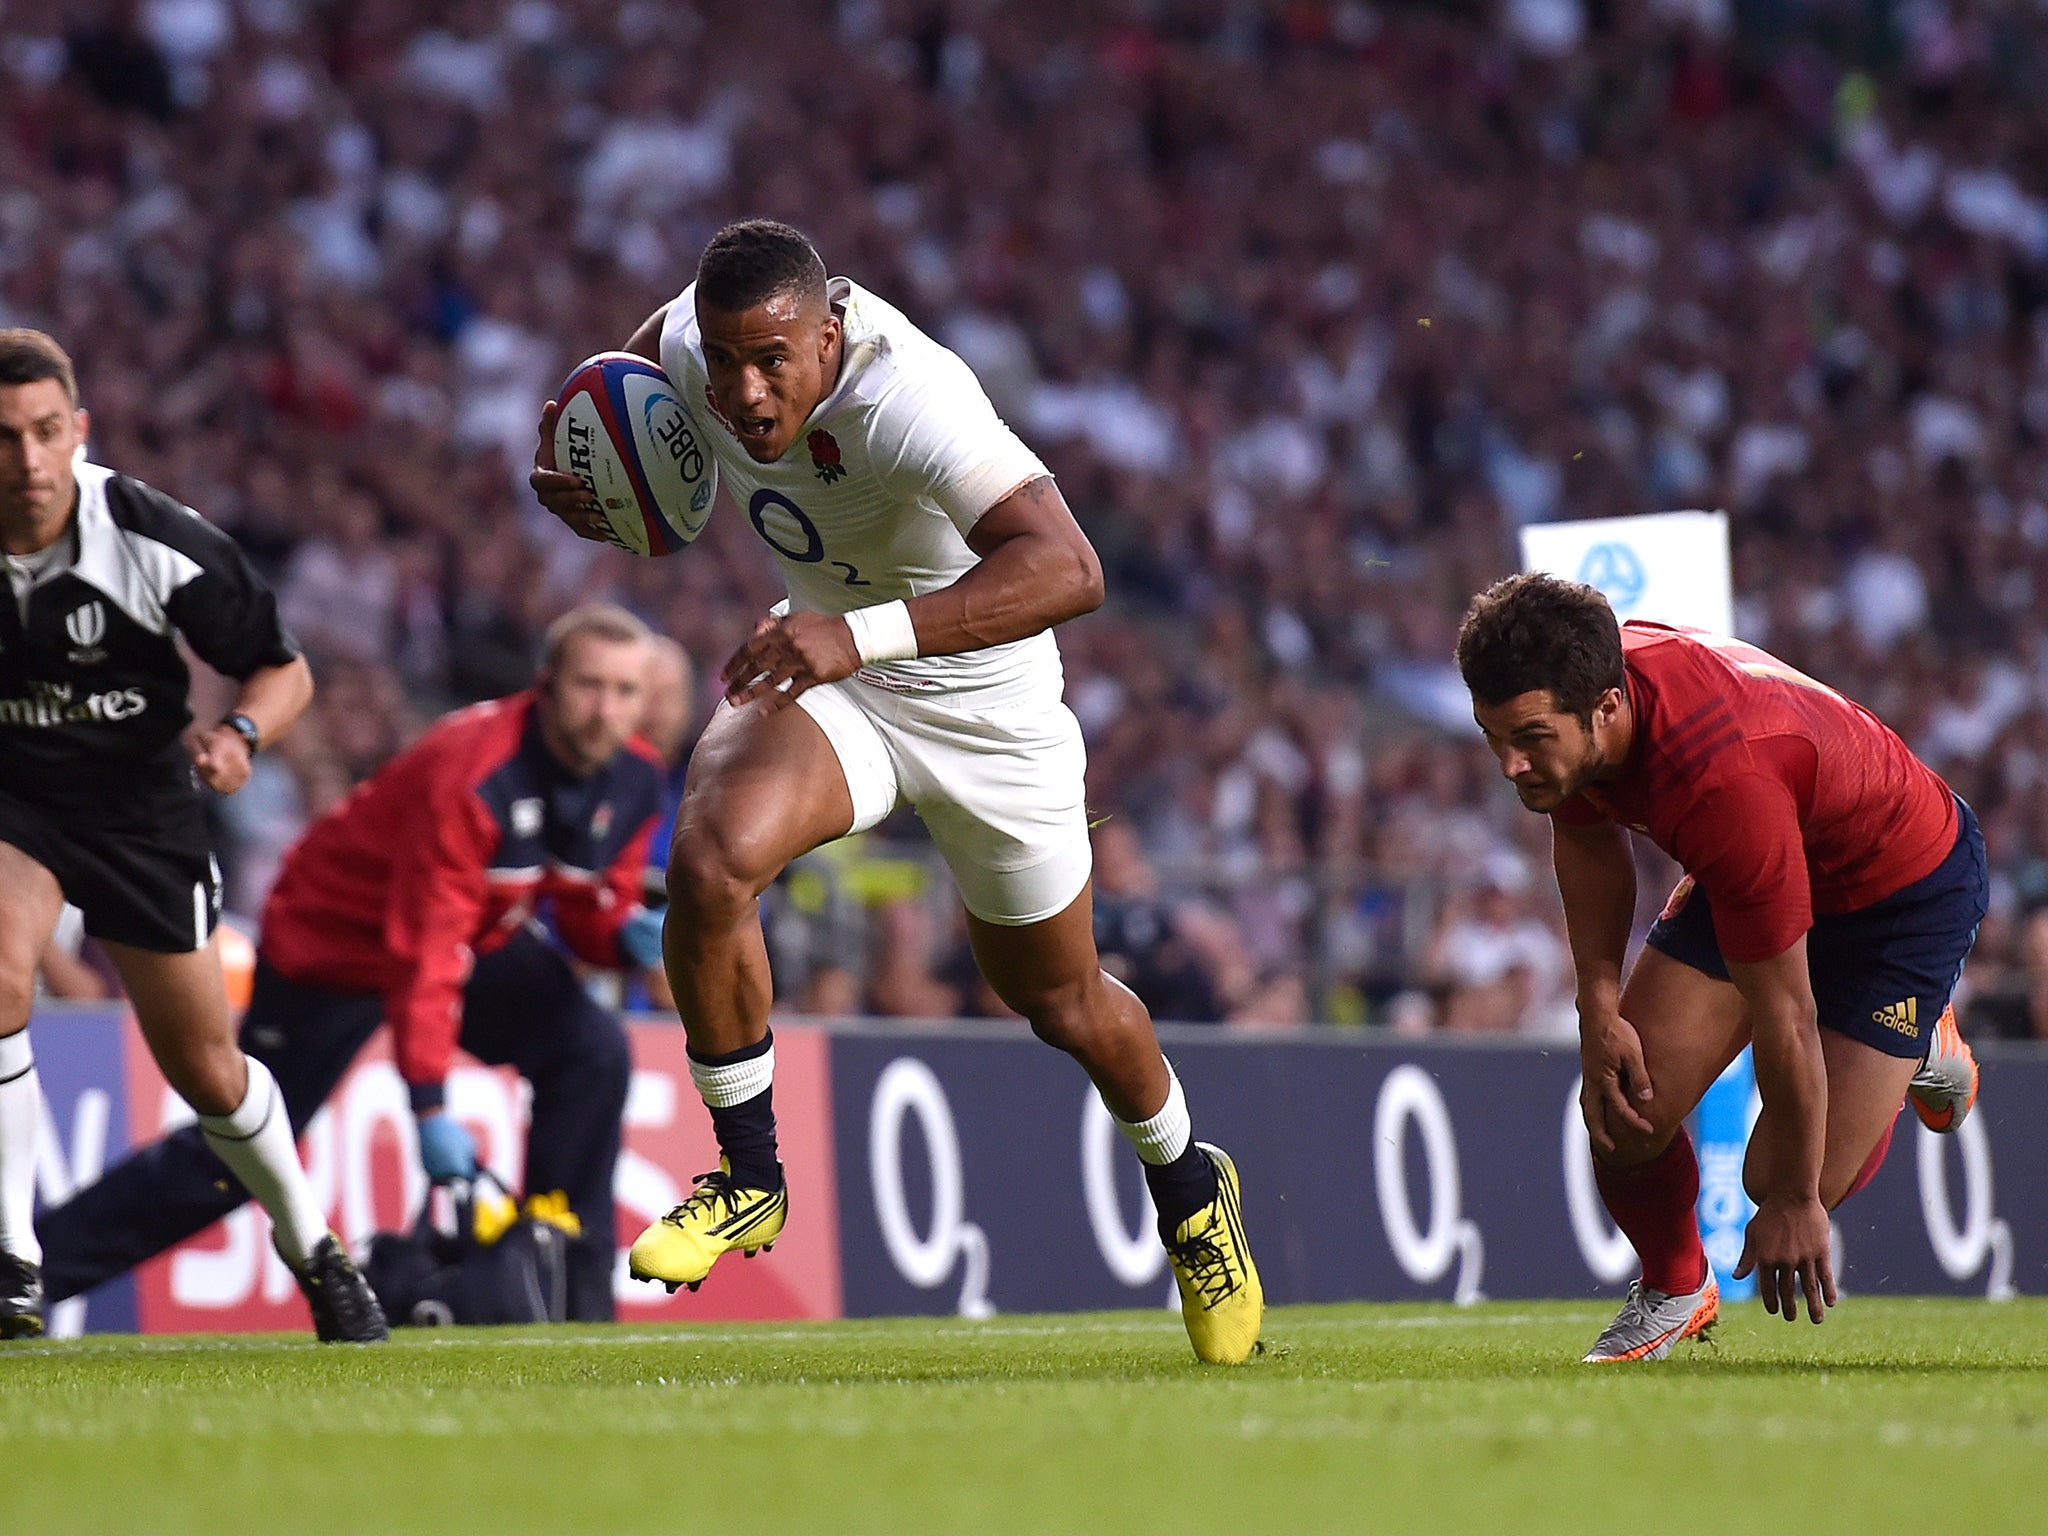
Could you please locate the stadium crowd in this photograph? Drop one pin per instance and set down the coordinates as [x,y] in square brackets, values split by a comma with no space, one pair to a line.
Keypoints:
[1310,303]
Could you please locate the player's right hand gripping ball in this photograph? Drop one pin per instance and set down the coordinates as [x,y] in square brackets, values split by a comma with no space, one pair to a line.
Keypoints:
[623,432]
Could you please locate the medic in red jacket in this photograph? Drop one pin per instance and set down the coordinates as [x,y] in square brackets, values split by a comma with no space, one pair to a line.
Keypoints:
[449,849]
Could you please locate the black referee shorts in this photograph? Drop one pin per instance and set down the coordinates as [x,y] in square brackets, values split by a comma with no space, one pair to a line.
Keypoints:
[151,885]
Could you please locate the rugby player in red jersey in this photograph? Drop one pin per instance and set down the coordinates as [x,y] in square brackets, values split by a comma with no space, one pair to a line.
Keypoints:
[1833,885]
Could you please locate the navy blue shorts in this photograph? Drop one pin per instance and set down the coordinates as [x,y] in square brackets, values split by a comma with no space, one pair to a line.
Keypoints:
[1881,974]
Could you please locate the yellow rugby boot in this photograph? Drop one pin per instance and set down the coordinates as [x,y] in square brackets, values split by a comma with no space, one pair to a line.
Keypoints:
[718,1217]
[1221,1299]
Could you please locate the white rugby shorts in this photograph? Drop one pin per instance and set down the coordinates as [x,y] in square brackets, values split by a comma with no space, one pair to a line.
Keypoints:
[998,783]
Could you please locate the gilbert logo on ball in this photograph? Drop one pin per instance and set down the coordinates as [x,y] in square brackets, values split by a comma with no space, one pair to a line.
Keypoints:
[637,450]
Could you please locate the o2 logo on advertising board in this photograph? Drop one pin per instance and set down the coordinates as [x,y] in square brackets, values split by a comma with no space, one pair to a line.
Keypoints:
[1410,1096]
[908,1088]
[1982,1242]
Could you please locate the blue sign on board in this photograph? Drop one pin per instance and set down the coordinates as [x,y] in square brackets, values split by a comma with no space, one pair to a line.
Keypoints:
[1617,570]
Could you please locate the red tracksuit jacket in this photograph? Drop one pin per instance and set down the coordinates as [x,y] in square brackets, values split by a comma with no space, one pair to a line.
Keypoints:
[444,853]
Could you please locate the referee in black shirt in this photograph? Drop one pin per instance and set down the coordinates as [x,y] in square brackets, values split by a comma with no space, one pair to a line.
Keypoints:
[100,805]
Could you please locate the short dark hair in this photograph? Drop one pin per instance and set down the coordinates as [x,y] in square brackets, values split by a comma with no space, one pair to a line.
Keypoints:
[1533,632]
[28,357]
[752,260]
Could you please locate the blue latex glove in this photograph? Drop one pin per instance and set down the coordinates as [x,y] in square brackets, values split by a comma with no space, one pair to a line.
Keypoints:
[447,1150]
[640,937]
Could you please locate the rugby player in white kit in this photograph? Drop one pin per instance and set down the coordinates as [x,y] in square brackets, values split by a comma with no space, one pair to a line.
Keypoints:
[928,554]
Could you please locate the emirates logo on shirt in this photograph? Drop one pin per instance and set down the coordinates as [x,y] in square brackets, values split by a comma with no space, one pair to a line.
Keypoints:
[87,626]
[825,456]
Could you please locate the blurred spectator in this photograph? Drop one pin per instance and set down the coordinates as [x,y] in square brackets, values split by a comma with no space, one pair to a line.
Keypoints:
[1500,968]
[902,981]
[1310,306]
[1139,937]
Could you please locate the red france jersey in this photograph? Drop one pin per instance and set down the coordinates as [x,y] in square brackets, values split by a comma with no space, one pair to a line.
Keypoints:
[1780,797]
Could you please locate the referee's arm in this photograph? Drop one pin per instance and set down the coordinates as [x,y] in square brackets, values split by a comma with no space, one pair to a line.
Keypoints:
[271,701]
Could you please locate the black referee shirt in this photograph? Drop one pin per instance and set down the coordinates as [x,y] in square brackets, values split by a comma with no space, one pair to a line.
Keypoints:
[92,688]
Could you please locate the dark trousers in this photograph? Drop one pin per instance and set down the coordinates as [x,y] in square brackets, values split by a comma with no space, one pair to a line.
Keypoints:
[523,1008]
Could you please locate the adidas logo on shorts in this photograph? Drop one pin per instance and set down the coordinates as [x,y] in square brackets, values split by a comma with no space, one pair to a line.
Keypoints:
[1903,1017]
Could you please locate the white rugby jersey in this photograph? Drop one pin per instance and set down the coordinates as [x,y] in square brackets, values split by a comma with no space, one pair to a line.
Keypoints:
[874,500]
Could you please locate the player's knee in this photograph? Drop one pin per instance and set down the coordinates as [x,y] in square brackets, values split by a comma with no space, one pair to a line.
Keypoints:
[212,1081]
[1064,1016]
[713,877]
[1634,1148]
[17,996]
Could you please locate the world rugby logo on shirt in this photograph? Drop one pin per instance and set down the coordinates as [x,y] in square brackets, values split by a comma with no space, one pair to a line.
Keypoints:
[527,816]
[87,626]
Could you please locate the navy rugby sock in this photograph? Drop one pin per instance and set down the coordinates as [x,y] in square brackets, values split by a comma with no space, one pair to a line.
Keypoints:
[1180,1188]
[739,1090]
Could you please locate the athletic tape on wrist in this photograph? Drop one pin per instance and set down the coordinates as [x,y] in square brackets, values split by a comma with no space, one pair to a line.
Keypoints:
[1166,1135]
[883,633]
[735,1082]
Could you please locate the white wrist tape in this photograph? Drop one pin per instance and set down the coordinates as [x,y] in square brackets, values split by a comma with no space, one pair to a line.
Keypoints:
[883,633]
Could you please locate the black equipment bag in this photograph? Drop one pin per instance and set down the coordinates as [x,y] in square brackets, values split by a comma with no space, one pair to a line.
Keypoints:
[427,1277]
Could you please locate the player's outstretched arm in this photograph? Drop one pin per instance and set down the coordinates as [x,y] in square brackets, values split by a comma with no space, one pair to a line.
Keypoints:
[558,490]
[1596,879]
[1787,1243]
[1037,569]
[271,700]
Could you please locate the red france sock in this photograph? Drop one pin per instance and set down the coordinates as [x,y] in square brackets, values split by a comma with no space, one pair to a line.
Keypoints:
[1654,1205]
[1875,1161]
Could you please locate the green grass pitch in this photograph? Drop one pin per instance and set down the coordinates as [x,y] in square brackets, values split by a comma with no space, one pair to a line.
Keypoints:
[1896,1415]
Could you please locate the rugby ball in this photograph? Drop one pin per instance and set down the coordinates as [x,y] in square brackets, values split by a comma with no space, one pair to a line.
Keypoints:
[638,450]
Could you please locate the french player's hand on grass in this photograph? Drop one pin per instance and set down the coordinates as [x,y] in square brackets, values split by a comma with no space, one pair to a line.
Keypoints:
[1613,1079]
[558,490]
[221,759]
[1787,1247]
[787,656]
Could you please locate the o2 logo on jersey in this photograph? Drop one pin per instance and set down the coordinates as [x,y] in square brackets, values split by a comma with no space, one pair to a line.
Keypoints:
[87,626]
[787,529]
[1618,572]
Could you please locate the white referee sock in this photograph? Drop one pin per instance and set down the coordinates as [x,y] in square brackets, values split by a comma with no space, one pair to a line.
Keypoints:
[1163,1138]
[256,1144]
[21,1103]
